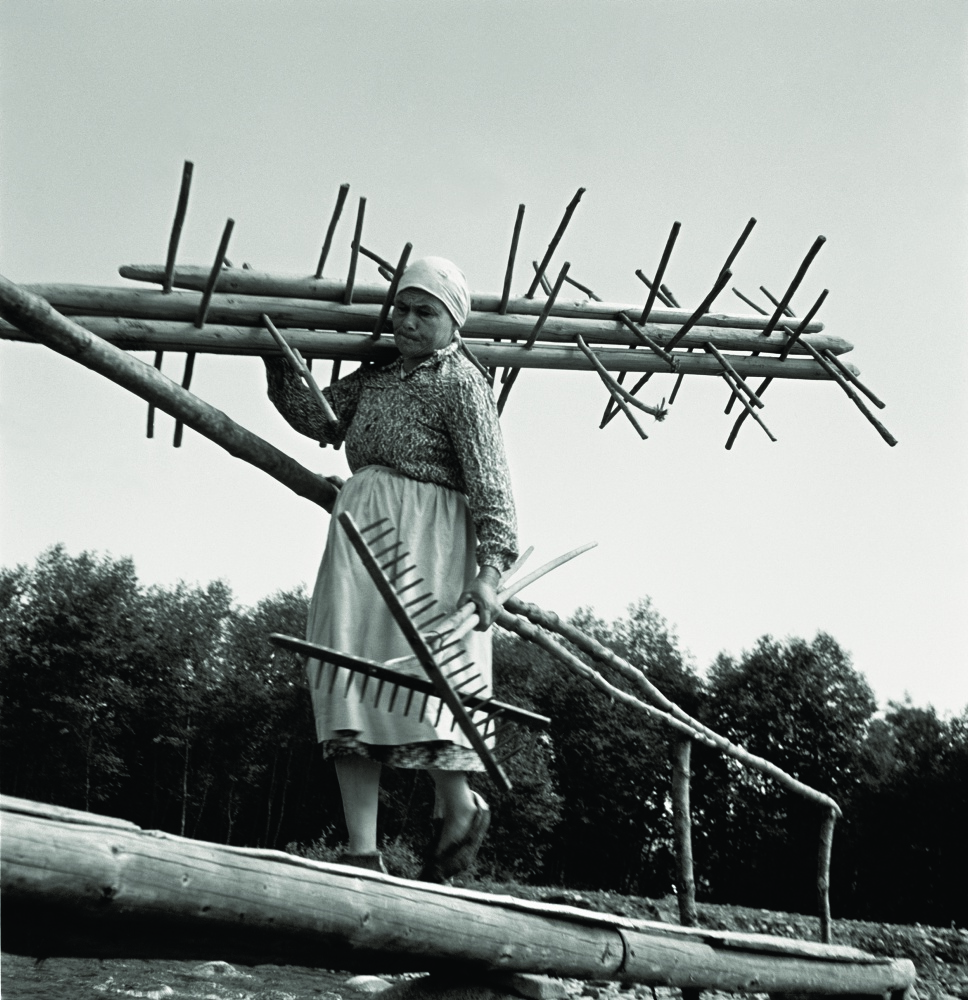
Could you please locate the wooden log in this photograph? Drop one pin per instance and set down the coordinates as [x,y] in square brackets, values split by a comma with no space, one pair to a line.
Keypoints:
[34,316]
[151,335]
[295,286]
[76,883]
[142,303]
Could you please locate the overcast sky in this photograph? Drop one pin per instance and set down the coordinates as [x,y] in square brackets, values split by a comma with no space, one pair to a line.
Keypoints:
[841,119]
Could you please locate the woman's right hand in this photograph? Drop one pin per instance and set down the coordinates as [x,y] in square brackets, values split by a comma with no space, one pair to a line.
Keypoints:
[482,592]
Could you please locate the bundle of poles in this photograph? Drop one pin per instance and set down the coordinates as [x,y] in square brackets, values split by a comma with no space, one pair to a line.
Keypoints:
[222,309]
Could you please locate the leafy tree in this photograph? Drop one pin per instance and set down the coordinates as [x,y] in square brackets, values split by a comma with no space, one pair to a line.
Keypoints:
[68,628]
[905,858]
[804,707]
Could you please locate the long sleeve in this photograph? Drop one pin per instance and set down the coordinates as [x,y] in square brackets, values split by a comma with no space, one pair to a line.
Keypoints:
[293,399]
[479,444]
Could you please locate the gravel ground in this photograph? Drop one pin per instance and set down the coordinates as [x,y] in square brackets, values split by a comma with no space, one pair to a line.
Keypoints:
[939,954]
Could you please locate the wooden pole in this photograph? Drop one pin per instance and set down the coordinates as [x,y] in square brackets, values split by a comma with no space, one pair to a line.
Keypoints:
[549,305]
[247,310]
[300,367]
[823,875]
[176,227]
[553,245]
[781,306]
[354,254]
[654,286]
[159,358]
[509,272]
[661,706]
[249,282]
[721,282]
[682,827]
[392,290]
[344,190]
[857,401]
[139,335]
[34,316]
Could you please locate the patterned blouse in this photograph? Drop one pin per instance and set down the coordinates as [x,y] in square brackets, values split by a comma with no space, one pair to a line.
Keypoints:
[437,424]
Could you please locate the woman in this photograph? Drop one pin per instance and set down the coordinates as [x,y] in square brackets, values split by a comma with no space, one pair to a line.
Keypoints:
[425,448]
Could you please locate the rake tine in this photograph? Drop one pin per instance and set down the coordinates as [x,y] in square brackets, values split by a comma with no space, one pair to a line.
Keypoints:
[450,659]
[349,684]
[440,712]
[393,697]
[332,683]
[383,534]
[363,686]
[426,607]
[417,600]
[458,670]
[423,708]
[415,583]
[409,702]
[402,573]
[447,645]
[430,621]
[370,527]
[379,691]
[463,684]
[389,548]
[474,694]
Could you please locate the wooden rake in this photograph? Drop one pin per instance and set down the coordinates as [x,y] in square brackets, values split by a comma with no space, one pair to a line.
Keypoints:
[435,639]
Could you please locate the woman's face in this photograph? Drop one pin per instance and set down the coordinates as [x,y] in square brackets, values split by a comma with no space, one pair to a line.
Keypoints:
[421,323]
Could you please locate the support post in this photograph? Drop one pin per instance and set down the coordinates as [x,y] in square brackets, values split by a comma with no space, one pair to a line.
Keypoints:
[823,874]
[682,825]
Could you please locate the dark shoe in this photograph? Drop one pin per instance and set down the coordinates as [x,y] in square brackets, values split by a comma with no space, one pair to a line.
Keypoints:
[459,856]
[373,862]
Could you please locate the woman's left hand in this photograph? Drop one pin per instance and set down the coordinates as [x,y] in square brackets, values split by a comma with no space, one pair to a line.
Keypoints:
[483,594]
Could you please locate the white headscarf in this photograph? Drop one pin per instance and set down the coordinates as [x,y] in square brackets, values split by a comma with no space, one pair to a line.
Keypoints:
[444,280]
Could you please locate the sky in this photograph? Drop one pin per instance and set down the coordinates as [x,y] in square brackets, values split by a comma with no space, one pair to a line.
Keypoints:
[847,120]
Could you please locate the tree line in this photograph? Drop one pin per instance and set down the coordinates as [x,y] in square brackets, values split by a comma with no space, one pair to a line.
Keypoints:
[167,706]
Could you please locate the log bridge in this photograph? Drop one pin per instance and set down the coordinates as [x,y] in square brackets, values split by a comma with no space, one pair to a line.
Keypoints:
[75,883]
